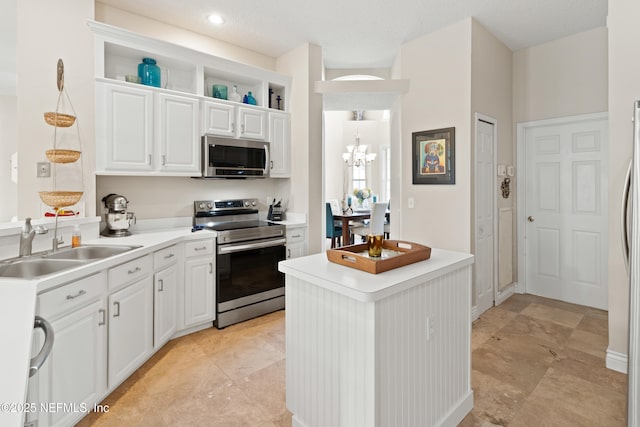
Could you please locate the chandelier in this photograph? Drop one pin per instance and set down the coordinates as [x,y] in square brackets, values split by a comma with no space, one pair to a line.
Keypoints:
[356,155]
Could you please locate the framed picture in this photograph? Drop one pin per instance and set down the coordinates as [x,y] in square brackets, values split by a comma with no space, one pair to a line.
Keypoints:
[434,156]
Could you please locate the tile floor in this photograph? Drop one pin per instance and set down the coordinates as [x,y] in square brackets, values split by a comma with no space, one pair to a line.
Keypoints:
[536,362]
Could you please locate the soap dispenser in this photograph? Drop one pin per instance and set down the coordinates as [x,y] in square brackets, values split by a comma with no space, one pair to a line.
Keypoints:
[76,238]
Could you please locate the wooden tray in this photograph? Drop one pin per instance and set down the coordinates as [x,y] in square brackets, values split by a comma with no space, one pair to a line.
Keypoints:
[395,253]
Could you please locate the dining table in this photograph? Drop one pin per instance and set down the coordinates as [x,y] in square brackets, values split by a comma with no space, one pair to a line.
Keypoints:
[346,219]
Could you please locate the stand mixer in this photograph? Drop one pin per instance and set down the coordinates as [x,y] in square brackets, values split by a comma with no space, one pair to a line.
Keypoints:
[117,218]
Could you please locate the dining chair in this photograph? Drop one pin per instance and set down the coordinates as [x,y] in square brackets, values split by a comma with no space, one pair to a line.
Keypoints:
[334,232]
[376,223]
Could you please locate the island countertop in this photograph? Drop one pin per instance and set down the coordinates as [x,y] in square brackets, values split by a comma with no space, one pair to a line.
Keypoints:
[365,287]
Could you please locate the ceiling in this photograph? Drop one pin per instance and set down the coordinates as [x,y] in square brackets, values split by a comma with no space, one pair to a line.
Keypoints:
[368,33]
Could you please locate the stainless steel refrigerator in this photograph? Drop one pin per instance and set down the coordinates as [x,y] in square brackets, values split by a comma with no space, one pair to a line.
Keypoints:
[631,243]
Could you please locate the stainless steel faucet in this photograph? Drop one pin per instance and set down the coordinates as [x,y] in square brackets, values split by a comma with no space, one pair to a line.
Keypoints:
[27,235]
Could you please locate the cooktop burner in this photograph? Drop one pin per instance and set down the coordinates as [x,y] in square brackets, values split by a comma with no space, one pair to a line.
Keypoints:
[234,220]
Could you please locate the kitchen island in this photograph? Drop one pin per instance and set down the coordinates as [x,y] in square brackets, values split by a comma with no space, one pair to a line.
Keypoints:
[390,349]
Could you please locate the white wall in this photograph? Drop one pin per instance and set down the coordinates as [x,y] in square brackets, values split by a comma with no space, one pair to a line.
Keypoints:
[8,146]
[44,34]
[304,64]
[335,168]
[561,78]
[180,36]
[492,95]
[624,89]
[438,66]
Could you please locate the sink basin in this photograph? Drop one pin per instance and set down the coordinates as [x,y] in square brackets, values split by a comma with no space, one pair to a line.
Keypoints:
[89,252]
[30,268]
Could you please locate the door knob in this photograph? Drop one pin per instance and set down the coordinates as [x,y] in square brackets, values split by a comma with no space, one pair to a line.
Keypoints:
[530,218]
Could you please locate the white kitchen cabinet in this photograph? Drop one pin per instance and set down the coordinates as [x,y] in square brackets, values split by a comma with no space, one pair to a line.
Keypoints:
[219,118]
[76,370]
[199,282]
[164,302]
[296,242]
[252,122]
[124,128]
[130,329]
[230,120]
[144,131]
[279,125]
[177,133]
[167,264]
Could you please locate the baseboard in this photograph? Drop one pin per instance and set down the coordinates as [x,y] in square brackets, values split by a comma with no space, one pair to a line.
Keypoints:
[474,313]
[617,361]
[459,411]
[505,294]
[519,288]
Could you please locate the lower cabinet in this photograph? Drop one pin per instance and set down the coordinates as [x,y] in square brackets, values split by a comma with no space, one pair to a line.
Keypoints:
[199,282]
[296,242]
[164,303]
[130,329]
[75,372]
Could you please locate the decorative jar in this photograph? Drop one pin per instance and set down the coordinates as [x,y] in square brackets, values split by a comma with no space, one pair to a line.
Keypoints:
[149,72]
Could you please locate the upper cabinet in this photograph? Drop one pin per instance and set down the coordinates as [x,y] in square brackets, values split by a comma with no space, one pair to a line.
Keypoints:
[235,121]
[156,130]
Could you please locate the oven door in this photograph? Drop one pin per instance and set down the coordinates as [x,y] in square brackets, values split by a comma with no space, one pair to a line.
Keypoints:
[247,273]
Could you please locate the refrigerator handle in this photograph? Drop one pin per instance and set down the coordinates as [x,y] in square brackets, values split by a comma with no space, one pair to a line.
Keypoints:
[624,216]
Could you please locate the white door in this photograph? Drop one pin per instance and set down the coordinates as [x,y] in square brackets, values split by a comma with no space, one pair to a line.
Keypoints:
[130,329]
[164,316]
[565,212]
[253,123]
[198,291]
[125,128]
[484,271]
[279,141]
[178,133]
[76,370]
[218,118]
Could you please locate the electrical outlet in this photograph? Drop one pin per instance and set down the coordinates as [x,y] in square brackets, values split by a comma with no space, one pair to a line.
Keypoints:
[431,329]
[44,170]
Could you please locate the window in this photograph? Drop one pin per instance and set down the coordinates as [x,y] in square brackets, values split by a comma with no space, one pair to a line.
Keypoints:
[359,174]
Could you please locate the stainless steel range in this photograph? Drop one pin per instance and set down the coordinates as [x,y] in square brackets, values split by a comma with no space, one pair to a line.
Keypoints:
[248,283]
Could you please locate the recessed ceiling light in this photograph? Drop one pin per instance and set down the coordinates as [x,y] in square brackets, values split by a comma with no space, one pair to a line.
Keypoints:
[216,19]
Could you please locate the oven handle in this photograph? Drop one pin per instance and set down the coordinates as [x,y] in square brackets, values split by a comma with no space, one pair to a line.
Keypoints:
[239,247]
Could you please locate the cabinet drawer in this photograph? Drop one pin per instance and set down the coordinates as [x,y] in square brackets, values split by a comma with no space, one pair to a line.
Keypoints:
[72,295]
[295,235]
[165,257]
[198,248]
[130,271]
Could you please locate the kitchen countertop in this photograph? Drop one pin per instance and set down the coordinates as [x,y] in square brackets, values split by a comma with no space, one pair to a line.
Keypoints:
[363,286]
[18,303]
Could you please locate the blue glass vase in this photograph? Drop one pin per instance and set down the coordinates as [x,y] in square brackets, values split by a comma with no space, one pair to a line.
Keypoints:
[149,72]
[250,99]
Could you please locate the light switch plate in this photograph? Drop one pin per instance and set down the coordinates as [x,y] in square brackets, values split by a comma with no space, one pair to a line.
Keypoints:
[44,170]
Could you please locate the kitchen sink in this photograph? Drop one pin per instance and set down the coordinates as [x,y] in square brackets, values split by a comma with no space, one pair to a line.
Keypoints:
[89,252]
[34,267]
[52,262]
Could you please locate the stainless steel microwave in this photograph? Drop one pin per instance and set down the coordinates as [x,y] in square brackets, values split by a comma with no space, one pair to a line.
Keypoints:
[234,158]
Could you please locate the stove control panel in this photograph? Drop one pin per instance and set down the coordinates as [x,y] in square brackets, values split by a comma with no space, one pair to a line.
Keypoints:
[224,205]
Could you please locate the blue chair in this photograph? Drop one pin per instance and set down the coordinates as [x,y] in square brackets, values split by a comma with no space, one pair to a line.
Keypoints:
[333,231]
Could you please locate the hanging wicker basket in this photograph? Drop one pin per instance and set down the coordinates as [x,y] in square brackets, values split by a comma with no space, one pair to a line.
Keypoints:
[59,120]
[60,199]
[62,156]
